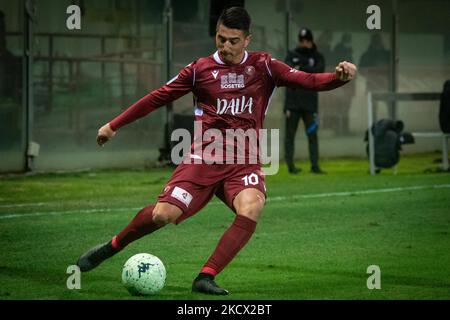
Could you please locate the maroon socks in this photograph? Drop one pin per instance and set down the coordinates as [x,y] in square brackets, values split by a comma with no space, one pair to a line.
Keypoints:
[233,240]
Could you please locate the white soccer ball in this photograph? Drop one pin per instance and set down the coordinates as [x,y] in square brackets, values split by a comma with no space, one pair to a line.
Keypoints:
[143,274]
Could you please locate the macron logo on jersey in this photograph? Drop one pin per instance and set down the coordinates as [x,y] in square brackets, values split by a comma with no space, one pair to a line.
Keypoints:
[215,73]
[232,81]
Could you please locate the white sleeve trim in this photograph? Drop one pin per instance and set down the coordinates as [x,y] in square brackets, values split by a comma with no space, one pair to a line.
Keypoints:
[267,66]
[270,100]
[172,80]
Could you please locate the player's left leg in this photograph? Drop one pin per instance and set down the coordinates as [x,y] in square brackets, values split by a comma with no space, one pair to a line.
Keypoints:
[248,205]
[179,200]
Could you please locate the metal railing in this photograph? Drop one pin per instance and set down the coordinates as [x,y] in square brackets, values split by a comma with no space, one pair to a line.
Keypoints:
[103,57]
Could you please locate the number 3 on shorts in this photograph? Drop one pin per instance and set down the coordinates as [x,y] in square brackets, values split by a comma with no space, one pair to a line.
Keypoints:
[252,179]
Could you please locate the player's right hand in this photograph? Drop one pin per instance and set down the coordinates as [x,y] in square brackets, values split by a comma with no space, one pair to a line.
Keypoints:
[104,134]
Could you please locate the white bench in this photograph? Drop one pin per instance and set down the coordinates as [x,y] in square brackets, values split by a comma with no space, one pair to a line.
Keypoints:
[441,135]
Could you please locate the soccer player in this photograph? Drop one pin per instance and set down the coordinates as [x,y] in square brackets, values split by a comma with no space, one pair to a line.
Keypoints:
[232,90]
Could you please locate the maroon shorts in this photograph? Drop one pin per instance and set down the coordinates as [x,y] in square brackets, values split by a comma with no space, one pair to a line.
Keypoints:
[192,186]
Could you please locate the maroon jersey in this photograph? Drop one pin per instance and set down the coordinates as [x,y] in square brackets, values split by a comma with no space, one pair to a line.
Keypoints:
[229,96]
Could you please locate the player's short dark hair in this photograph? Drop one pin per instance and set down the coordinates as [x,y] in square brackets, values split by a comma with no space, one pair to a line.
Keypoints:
[235,18]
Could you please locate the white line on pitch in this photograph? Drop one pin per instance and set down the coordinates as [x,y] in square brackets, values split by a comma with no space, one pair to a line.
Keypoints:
[19,205]
[44,213]
[362,192]
[270,199]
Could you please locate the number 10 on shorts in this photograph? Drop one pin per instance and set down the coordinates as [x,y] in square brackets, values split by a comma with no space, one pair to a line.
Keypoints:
[251,179]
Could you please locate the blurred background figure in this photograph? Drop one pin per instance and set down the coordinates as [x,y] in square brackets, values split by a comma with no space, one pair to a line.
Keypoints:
[327,114]
[444,108]
[374,66]
[323,44]
[303,104]
[10,67]
[10,93]
[339,115]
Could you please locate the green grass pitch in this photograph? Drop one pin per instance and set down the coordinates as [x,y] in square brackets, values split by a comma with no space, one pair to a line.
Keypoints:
[316,237]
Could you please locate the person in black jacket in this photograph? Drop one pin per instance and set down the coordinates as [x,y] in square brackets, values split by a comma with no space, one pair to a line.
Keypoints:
[10,93]
[303,104]
[444,108]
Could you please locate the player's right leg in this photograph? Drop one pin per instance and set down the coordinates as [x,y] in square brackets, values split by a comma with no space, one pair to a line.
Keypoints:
[311,127]
[147,220]
[292,120]
[247,201]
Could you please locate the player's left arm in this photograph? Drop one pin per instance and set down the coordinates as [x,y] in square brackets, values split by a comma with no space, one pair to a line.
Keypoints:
[284,75]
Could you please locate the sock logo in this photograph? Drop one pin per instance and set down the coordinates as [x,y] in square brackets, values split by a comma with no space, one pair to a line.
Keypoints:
[182,195]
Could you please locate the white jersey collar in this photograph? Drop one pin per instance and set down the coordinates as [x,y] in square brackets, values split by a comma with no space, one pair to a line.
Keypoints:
[245,57]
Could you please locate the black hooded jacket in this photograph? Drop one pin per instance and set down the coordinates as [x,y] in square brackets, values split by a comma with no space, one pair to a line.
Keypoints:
[444,110]
[307,60]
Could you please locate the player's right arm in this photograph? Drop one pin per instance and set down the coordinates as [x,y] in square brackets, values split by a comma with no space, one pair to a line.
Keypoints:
[182,84]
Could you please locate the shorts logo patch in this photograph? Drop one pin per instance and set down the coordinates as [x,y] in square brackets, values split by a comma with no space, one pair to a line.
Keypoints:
[182,195]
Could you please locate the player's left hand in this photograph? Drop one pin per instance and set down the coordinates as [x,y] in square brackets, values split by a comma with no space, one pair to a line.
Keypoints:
[345,71]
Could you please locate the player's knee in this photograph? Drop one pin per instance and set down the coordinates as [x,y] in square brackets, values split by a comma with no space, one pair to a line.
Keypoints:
[165,213]
[251,208]
[160,218]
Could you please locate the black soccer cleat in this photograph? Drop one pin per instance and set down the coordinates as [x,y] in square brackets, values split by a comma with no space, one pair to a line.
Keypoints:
[93,257]
[206,284]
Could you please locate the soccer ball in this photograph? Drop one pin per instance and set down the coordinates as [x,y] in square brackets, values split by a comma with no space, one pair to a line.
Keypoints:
[143,274]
